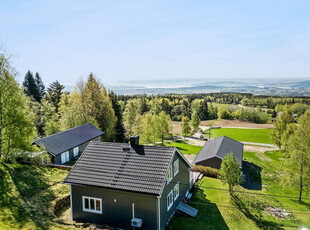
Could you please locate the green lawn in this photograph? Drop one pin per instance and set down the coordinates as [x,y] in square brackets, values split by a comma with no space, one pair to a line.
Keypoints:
[183,147]
[218,210]
[27,194]
[247,135]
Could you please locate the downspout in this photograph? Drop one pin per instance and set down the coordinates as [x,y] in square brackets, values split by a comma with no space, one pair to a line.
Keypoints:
[71,201]
[158,213]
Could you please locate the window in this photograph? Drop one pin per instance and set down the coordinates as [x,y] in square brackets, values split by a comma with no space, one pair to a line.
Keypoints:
[91,204]
[76,151]
[169,176]
[170,200]
[65,157]
[176,191]
[176,167]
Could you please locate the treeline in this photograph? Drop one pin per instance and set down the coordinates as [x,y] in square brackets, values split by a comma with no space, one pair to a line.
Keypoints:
[56,110]
[244,99]
[179,106]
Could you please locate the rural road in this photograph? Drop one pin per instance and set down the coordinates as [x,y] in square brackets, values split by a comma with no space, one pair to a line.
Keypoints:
[259,144]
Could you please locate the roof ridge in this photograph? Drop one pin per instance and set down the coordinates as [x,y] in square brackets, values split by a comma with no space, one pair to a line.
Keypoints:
[232,139]
[67,131]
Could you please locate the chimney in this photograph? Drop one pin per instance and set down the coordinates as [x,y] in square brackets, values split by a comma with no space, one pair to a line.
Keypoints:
[134,140]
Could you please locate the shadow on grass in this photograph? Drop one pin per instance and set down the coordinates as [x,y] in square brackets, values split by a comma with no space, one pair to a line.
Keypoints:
[9,201]
[261,224]
[253,179]
[34,189]
[307,205]
[208,217]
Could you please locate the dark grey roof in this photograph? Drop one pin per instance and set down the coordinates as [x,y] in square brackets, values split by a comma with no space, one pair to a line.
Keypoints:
[63,141]
[219,147]
[121,166]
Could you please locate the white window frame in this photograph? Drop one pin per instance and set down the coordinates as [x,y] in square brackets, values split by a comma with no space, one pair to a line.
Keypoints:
[176,191]
[76,151]
[89,209]
[170,198]
[176,162]
[169,175]
[65,156]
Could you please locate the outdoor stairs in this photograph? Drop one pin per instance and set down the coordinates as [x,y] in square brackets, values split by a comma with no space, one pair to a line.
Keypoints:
[187,209]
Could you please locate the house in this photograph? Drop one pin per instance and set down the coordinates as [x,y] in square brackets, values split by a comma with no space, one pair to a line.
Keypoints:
[125,185]
[69,144]
[215,150]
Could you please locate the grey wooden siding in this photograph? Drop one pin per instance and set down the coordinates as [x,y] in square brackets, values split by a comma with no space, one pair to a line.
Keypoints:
[183,178]
[82,147]
[119,213]
[213,162]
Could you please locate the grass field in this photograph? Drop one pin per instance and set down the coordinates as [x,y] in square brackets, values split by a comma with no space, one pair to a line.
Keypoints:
[183,147]
[247,135]
[218,210]
[27,194]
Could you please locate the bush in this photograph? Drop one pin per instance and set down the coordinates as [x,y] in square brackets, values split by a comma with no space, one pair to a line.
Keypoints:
[207,171]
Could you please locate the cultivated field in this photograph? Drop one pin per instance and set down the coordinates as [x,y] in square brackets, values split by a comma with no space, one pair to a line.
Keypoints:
[223,123]
[246,135]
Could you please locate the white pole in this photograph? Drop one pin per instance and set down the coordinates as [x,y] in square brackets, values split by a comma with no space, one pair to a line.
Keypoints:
[133,210]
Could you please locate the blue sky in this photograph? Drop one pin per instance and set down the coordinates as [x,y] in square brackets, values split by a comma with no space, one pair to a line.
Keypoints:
[135,40]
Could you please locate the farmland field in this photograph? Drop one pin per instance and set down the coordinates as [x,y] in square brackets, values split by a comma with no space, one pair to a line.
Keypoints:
[183,147]
[247,135]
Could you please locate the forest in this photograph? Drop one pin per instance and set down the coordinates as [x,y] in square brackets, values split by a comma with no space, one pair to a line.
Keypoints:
[40,111]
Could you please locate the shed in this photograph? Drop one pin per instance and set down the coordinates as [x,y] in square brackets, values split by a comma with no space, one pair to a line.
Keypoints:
[67,145]
[215,150]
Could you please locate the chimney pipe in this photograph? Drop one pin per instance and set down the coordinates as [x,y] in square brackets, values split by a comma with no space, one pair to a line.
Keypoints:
[134,140]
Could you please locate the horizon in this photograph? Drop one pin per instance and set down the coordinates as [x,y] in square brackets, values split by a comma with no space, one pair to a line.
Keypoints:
[137,40]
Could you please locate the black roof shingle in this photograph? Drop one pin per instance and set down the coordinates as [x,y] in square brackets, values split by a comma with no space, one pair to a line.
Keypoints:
[122,166]
[219,147]
[63,141]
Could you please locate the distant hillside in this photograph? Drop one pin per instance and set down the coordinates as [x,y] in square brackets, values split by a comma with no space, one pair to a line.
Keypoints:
[302,84]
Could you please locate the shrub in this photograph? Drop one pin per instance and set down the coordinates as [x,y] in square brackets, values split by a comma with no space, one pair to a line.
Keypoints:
[207,171]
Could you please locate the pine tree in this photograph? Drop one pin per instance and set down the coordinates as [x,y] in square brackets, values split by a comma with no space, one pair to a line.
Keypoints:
[119,127]
[30,86]
[54,93]
[204,114]
[40,87]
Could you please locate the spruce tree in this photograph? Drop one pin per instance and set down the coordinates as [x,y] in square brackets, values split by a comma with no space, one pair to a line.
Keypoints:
[40,87]
[119,127]
[54,92]
[30,86]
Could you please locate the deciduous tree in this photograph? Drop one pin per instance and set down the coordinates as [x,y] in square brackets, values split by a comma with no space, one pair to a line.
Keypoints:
[195,121]
[299,152]
[230,172]
[185,126]
[16,119]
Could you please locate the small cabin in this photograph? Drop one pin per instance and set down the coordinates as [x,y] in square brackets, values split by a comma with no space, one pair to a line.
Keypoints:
[69,145]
